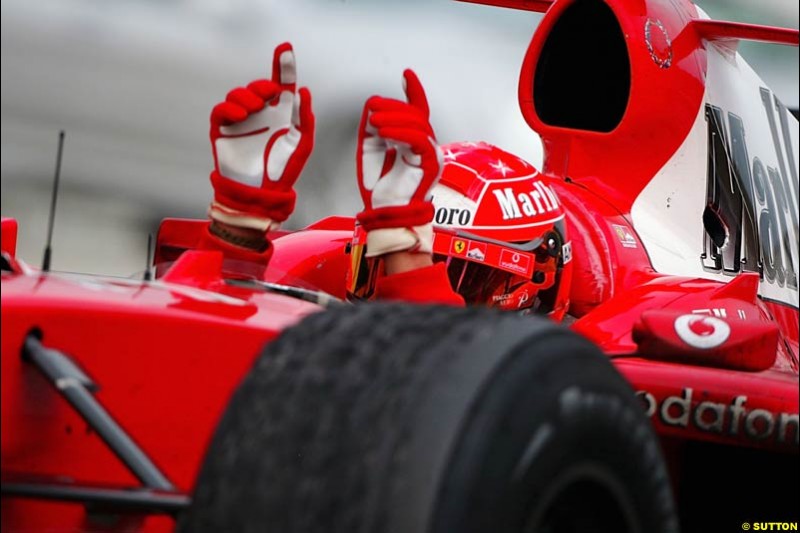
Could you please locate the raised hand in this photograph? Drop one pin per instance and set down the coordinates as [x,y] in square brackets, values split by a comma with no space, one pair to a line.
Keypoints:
[261,137]
[398,161]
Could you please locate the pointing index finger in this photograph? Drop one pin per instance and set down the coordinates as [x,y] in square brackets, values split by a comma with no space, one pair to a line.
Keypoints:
[284,70]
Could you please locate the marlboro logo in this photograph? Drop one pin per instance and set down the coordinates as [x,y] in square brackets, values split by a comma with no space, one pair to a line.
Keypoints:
[515,205]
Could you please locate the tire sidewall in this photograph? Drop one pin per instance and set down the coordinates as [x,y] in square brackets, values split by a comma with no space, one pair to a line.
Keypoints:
[553,408]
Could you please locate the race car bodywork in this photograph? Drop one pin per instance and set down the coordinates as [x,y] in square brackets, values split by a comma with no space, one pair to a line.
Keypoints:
[677,168]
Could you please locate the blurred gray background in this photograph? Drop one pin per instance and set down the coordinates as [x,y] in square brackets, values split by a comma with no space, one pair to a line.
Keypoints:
[133,83]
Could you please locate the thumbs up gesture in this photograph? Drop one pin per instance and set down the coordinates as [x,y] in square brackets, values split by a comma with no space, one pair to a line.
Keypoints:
[397,161]
[261,137]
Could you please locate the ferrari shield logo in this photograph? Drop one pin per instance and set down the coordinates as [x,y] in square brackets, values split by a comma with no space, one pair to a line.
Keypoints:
[625,237]
[458,246]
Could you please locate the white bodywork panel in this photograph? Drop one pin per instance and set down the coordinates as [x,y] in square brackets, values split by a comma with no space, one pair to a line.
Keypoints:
[668,213]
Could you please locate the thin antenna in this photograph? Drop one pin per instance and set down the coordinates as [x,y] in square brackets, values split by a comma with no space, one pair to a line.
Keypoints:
[51,222]
[148,271]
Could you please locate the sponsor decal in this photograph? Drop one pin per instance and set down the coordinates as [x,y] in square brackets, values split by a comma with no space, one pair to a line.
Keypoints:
[625,236]
[467,248]
[523,299]
[477,251]
[566,252]
[658,43]
[729,419]
[754,205]
[703,332]
[515,261]
[511,300]
[503,298]
[448,216]
[540,200]
[720,312]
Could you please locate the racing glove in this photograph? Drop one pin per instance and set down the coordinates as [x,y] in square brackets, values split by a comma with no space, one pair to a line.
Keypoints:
[398,161]
[261,137]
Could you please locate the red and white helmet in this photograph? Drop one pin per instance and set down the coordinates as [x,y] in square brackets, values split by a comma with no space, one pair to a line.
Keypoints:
[501,229]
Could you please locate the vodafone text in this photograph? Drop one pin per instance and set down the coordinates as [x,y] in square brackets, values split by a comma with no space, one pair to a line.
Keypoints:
[723,419]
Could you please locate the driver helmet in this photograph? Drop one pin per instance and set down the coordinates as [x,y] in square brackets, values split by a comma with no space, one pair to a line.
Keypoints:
[499,227]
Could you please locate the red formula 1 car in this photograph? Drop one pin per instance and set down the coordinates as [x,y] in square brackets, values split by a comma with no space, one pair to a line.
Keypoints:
[145,405]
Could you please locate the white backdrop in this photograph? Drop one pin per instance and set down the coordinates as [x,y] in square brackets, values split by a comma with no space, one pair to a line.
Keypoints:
[133,83]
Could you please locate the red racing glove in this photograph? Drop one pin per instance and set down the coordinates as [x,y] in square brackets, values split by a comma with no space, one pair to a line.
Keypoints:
[261,137]
[398,161]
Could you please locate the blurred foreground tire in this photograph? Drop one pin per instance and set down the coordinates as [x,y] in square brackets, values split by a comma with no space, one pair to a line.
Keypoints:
[403,419]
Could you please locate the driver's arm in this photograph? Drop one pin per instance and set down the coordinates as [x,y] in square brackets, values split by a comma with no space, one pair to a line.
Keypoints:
[398,161]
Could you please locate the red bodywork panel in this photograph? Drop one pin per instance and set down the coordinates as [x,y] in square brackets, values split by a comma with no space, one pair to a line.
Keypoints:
[166,356]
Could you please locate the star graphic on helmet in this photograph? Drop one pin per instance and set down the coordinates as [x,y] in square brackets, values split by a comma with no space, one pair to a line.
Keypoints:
[450,155]
[501,167]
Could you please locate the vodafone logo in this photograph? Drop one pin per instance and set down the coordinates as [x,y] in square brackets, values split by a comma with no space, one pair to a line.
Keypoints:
[703,332]
[515,262]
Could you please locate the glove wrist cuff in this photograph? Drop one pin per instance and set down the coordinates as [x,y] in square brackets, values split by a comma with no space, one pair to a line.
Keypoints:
[240,200]
[218,212]
[246,262]
[252,239]
[415,213]
[416,239]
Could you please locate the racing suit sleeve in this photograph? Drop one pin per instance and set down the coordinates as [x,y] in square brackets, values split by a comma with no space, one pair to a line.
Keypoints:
[423,285]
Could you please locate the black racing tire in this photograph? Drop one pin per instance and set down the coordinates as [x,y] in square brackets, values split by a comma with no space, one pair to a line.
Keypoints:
[405,419]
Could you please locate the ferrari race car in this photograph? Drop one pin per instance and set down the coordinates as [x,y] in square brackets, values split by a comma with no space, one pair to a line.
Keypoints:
[667,399]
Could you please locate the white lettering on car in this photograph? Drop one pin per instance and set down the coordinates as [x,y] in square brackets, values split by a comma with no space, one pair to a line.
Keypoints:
[722,419]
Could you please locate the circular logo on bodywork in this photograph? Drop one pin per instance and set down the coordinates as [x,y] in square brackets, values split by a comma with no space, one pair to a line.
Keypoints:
[658,43]
[703,332]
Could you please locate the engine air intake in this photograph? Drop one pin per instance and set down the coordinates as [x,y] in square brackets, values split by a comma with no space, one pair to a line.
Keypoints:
[583,75]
